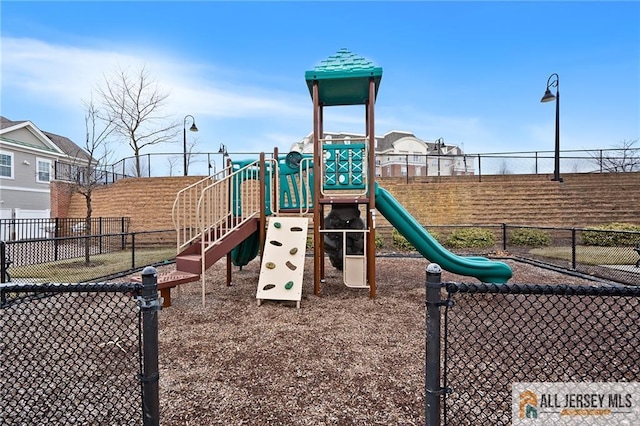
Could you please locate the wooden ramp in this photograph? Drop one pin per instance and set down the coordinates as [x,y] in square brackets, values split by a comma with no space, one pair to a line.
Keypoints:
[282,267]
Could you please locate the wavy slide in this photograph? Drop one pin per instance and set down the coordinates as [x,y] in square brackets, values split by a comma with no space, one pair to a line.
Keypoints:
[484,269]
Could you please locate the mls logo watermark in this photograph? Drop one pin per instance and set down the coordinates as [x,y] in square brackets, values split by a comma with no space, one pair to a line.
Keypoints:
[576,403]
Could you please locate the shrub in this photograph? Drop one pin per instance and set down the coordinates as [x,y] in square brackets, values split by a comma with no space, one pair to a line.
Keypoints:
[401,242]
[530,237]
[600,237]
[379,241]
[471,237]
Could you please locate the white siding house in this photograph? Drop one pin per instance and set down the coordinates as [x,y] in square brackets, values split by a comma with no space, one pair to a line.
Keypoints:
[400,153]
[27,160]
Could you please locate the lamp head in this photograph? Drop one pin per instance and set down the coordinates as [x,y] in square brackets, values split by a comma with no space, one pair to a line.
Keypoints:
[548,96]
[193,127]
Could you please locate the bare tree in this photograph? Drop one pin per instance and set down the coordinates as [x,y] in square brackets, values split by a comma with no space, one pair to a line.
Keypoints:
[192,157]
[134,103]
[172,162]
[624,157]
[504,168]
[89,175]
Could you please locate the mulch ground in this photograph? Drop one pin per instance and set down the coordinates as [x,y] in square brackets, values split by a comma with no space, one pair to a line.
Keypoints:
[341,359]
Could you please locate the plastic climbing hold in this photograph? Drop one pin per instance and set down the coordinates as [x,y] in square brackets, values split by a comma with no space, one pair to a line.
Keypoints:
[293,250]
[277,225]
[270,265]
[288,285]
[291,266]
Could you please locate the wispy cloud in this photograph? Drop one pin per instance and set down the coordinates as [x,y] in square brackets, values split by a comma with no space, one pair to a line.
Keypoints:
[69,74]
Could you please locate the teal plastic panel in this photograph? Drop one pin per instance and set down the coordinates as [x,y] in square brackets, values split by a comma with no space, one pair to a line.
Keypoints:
[344,166]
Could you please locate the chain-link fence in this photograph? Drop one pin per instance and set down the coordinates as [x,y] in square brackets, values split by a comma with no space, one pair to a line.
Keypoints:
[608,254]
[80,353]
[605,253]
[496,335]
[406,165]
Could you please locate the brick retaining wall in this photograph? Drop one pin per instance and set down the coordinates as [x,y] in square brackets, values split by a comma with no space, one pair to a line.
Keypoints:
[581,200]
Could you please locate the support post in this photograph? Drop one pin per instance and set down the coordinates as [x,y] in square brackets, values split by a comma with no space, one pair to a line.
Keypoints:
[432,388]
[133,250]
[573,248]
[149,306]
[504,236]
[3,262]
[262,195]
[317,182]
[371,181]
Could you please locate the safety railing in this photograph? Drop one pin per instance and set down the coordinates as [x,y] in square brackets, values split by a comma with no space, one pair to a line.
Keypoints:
[184,213]
[228,203]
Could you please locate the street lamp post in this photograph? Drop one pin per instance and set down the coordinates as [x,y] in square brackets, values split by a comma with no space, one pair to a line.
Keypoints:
[547,97]
[184,139]
[439,144]
[223,150]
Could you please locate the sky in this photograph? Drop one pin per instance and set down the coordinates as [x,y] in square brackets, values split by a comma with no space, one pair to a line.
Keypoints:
[472,73]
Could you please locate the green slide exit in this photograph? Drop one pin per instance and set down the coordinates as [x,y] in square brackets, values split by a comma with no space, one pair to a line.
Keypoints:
[484,269]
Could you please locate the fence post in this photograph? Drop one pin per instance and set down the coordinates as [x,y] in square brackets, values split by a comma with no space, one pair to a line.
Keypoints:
[432,388]
[573,248]
[133,250]
[406,165]
[3,262]
[150,304]
[100,232]
[504,236]
[56,242]
[122,231]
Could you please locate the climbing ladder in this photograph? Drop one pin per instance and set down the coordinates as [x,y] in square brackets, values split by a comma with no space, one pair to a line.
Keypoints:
[283,260]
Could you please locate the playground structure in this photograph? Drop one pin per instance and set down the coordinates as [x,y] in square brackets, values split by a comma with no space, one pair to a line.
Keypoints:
[228,214]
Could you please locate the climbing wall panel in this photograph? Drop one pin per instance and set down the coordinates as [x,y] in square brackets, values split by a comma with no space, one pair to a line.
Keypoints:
[283,260]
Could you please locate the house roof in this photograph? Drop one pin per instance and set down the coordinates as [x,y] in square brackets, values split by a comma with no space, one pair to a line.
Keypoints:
[390,137]
[68,146]
[343,79]
[63,143]
[5,122]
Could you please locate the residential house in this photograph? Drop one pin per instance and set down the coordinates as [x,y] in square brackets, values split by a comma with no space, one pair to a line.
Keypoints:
[400,153]
[29,159]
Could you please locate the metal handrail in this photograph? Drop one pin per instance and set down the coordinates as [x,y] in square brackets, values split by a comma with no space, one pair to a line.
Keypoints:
[224,201]
[183,213]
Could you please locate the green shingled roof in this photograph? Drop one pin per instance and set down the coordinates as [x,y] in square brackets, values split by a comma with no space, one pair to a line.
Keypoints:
[343,79]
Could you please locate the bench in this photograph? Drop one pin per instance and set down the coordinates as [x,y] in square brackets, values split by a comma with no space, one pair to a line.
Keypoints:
[169,280]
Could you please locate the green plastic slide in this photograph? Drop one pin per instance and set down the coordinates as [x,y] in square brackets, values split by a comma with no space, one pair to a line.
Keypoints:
[247,250]
[484,269]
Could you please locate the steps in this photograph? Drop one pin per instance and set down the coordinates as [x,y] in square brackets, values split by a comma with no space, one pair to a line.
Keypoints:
[190,260]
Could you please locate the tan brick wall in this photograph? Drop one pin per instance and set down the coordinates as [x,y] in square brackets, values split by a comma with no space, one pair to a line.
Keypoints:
[147,201]
[581,200]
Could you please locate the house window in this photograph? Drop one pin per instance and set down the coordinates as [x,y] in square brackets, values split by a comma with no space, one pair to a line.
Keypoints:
[44,171]
[6,165]
[403,170]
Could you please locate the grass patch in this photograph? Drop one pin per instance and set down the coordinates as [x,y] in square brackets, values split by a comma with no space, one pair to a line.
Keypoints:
[76,270]
[591,255]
